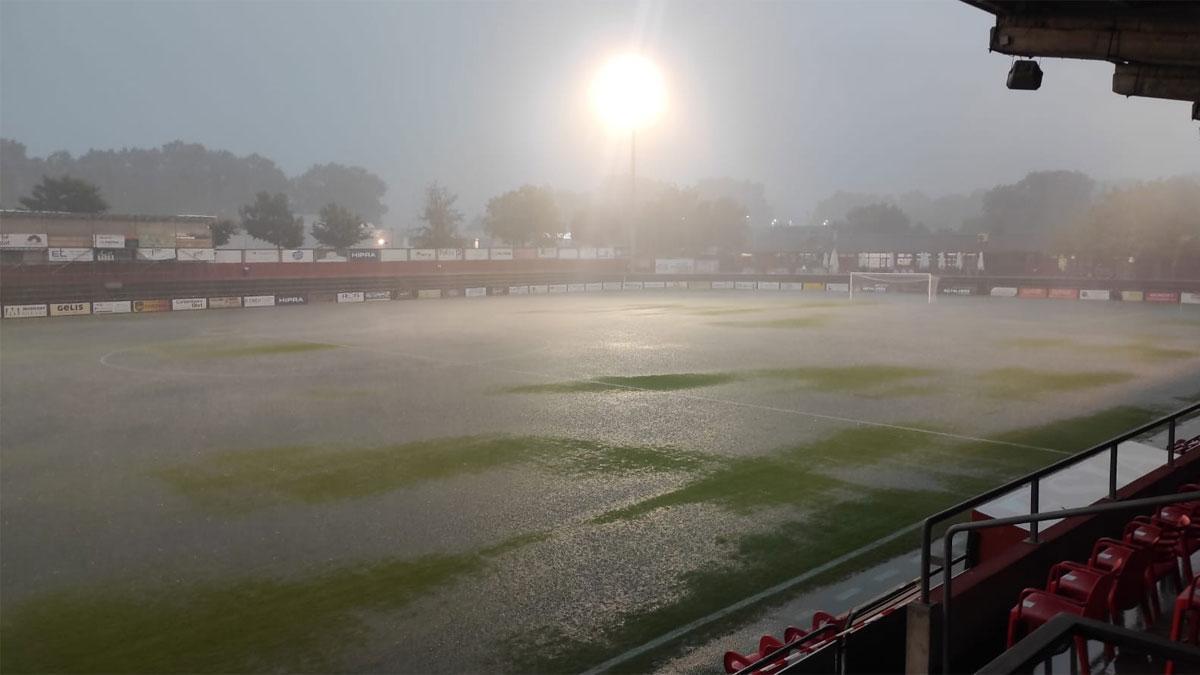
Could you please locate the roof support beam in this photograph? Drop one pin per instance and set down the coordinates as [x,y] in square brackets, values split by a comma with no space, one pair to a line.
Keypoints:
[1078,38]
[1180,84]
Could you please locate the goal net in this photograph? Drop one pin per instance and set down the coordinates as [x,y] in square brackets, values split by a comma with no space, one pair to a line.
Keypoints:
[893,282]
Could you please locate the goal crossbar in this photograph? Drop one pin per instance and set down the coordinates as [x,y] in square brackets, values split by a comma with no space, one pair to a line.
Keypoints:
[929,280]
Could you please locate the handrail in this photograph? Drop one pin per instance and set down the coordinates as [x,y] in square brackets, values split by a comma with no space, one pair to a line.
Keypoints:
[1055,633]
[1106,507]
[1033,479]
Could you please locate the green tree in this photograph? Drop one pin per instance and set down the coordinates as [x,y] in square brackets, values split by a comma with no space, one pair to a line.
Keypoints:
[523,216]
[1042,201]
[223,230]
[337,227]
[879,217]
[353,187]
[270,219]
[441,219]
[65,193]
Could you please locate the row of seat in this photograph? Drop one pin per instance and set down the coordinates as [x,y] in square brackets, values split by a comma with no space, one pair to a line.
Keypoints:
[1119,575]
[796,641]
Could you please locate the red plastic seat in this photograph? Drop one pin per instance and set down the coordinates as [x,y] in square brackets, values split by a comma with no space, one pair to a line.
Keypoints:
[1035,607]
[1133,584]
[1187,606]
[1163,543]
[766,644]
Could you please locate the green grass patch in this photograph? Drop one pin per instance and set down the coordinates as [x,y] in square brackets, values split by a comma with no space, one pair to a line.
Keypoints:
[1142,350]
[848,378]
[258,624]
[664,382]
[245,480]
[813,321]
[266,349]
[1023,383]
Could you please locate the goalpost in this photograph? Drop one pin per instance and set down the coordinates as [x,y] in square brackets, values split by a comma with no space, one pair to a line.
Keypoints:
[883,282]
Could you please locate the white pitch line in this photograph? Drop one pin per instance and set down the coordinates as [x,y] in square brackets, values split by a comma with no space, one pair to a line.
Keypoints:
[746,602]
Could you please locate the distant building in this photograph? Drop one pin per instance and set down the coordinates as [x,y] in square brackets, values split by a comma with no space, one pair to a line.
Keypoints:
[37,235]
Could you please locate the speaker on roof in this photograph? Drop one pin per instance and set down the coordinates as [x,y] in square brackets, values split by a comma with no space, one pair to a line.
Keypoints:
[1025,75]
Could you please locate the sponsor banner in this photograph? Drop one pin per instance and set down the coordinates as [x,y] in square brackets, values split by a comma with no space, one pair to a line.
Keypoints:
[477,292]
[745,285]
[770,286]
[956,290]
[587,253]
[874,288]
[70,308]
[576,288]
[500,253]
[674,265]
[227,302]
[791,286]
[547,252]
[422,254]
[377,296]
[24,311]
[156,235]
[451,293]
[403,294]
[198,254]
[449,254]
[23,240]
[393,255]
[611,286]
[498,290]
[185,304]
[518,290]
[363,255]
[1189,298]
[724,285]
[593,286]
[296,255]
[261,255]
[322,296]
[1091,294]
[606,253]
[568,254]
[1162,296]
[429,293]
[151,305]
[70,255]
[351,296]
[293,299]
[557,288]
[654,284]
[113,254]
[1003,292]
[475,254]
[156,254]
[814,286]
[538,289]
[707,266]
[108,241]
[699,285]
[112,307]
[1063,293]
[326,255]
[631,286]
[69,241]
[228,256]
[681,285]
[837,288]
[258,301]
[1031,292]
[1131,296]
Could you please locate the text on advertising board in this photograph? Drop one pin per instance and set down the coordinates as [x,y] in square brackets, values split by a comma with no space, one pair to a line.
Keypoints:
[24,311]
[112,307]
[290,300]
[258,301]
[151,305]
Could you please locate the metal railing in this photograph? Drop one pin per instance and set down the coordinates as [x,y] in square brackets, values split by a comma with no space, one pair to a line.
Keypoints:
[1034,479]
[1060,632]
[1107,507]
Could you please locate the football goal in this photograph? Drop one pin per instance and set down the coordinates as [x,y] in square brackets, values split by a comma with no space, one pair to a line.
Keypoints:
[893,282]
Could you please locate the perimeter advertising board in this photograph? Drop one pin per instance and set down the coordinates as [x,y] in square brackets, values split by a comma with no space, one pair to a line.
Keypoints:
[500,253]
[547,252]
[297,255]
[23,240]
[654,284]
[557,288]
[224,302]
[631,286]
[24,311]
[294,299]
[393,255]
[1064,293]
[377,296]
[185,304]
[1030,292]
[258,301]
[140,306]
[774,286]
[329,255]
[156,254]
[423,254]
[429,294]
[1131,296]
[612,286]
[261,255]
[112,307]
[229,256]
[1162,296]
[70,308]
[1094,294]
[198,254]
[449,254]
[745,285]
[1003,292]
[518,290]
[108,241]
[475,254]
[477,292]
[363,255]
[351,296]
[576,288]
[69,255]
[674,265]
[113,254]
[837,288]
[568,254]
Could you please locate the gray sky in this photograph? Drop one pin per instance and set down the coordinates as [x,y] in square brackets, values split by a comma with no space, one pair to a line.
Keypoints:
[806,97]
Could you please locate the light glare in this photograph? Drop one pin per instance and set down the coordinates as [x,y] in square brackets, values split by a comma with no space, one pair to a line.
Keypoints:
[628,93]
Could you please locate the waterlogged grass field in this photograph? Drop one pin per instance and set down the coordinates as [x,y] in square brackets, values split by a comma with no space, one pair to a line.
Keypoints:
[519,484]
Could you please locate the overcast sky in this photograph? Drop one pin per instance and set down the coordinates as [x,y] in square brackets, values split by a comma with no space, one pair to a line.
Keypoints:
[806,97]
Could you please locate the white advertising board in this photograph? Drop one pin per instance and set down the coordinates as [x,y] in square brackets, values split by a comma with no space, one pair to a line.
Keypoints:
[229,256]
[156,254]
[557,288]
[70,308]
[1186,298]
[1132,296]
[478,292]
[70,255]
[723,285]
[568,254]
[351,296]
[593,286]
[429,294]
[24,311]
[1004,292]
[22,240]
[707,266]
[500,253]
[423,254]
[837,288]
[631,286]
[576,288]
[296,255]
[790,286]
[261,255]
[198,254]
[184,304]
[538,289]
[258,301]
[745,285]
[518,290]
[475,254]
[674,265]
[678,285]
[108,240]
[547,252]
[112,307]
[654,284]
[587,253]
[768,285]
[612,285]
[1086,294]
[449,254]
[393,255]
[606,253]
